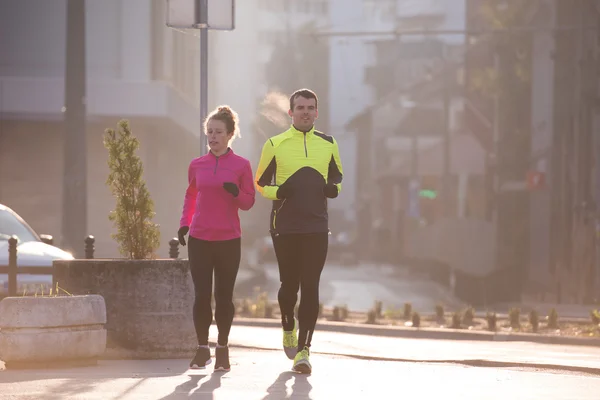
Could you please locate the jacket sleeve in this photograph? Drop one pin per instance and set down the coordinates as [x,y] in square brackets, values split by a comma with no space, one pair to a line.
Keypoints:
[335,172]
[245,198]
[265,173]
[189,201]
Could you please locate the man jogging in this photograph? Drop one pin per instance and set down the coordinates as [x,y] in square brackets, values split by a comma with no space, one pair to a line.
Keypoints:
[299,170]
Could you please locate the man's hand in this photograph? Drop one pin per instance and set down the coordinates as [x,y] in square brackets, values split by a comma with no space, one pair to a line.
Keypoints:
[181,234]
[231,188]
[330,190]
[284,192]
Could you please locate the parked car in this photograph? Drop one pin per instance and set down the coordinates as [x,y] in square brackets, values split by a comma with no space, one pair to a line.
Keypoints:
[32,250]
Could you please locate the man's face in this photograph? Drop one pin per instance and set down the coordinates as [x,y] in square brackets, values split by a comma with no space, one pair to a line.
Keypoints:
[304,113]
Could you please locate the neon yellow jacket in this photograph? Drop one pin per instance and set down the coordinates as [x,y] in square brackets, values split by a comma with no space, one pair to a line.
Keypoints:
[303,164]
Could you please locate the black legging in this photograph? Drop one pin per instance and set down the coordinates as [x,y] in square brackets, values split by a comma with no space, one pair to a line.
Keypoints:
[301,258]
[222,257]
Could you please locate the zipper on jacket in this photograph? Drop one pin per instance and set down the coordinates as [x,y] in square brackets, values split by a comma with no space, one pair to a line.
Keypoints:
[216,165]
[275,213]
[305,148]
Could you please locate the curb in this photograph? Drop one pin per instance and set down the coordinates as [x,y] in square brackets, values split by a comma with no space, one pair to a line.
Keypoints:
[477,363]
[426,333]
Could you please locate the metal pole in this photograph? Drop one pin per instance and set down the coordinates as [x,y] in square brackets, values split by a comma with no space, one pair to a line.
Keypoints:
[414,166]
[12,265]
[496,140]
[74,201]
[202,9]
[414,184]
[447,191]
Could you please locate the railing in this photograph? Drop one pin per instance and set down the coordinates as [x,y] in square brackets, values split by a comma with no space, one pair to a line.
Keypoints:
[12,269]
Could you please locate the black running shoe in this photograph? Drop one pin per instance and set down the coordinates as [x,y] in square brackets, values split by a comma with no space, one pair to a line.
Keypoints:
[222,359]
[201,359]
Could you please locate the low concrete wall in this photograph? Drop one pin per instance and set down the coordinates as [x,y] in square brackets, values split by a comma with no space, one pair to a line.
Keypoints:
[148,302]
[52,329]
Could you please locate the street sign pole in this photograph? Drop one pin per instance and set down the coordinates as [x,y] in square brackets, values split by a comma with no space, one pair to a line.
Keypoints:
[202,9]
[203,15]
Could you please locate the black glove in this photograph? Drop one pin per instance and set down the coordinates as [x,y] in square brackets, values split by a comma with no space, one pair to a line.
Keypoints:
[181,234]
[330,190]
[231,188]
[284,192]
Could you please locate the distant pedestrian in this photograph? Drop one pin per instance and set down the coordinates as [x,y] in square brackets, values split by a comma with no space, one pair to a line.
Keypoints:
[299,170]
[220,184]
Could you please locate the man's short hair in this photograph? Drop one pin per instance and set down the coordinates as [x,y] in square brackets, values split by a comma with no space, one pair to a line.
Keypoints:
[306,93]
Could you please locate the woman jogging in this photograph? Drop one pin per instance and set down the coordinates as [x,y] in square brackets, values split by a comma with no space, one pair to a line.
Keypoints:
[220,183]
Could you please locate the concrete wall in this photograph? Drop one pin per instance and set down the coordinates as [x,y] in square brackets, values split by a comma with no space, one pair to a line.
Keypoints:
[159,299]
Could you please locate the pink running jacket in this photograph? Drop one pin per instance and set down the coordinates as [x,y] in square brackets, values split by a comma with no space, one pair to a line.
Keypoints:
[208,209]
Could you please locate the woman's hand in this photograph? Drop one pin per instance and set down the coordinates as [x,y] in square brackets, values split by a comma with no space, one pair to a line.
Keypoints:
[181,234]
[231,188]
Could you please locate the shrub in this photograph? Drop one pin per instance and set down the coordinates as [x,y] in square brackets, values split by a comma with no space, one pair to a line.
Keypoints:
[492,320]
[468,316]
[138,237]
[439,313]
[372,316]
[269,308]
[534,320]
[456,318]
[416,319]
[339,313]
[378,308]
[344,312]
[552,319]
[407,310]
[514,316]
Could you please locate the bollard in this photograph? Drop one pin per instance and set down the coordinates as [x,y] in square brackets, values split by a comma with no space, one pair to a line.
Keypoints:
[12,265]
[174,248]
[89,247]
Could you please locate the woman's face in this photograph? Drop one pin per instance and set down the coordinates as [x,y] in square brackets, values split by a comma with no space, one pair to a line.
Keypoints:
[217,135]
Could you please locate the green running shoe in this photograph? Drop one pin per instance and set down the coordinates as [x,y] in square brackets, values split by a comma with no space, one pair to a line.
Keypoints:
[301,362]
[290,341]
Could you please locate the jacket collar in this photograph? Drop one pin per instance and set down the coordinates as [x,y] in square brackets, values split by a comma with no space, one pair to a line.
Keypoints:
[294,131]
[228,153]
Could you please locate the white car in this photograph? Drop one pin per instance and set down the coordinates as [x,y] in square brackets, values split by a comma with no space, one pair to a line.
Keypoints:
[32,250]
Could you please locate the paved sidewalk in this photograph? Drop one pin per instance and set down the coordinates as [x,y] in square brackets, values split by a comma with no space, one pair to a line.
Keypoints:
[264,375]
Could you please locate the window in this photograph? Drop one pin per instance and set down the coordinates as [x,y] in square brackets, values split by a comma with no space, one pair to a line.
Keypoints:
[11,225]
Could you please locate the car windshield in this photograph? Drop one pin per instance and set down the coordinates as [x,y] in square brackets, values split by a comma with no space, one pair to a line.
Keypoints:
[10,225]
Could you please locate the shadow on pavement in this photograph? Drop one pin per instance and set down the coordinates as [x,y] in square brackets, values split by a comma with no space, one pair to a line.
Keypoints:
[190,388]
[103,372]
[300,388]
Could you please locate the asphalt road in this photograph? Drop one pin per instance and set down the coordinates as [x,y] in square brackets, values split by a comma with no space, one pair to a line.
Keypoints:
[345,367]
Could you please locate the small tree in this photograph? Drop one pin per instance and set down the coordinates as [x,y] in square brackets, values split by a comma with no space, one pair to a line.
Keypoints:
[138,237]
